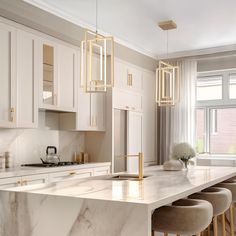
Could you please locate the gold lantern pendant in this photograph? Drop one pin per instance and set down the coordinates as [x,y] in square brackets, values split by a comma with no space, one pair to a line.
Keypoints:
[97,61]
[167,84]
[167,76]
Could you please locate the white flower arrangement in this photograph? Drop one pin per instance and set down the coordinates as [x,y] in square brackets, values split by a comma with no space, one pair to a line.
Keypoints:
[183,152]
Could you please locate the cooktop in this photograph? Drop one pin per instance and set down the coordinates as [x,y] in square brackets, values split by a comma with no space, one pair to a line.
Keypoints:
[61,163]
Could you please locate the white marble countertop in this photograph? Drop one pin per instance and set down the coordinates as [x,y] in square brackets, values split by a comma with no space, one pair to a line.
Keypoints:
[22,171]
[160,188]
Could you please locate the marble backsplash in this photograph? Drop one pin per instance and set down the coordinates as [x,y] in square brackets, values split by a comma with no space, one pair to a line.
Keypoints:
[28,145]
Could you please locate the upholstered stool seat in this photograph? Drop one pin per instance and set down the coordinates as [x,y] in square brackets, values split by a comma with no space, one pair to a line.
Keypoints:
[185,216]
[230,184]
[220,198]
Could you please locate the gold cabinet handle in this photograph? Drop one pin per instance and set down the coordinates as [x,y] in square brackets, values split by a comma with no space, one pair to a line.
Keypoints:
[12,111]
[24,182]
[127,107]
[18,183]
[72,173]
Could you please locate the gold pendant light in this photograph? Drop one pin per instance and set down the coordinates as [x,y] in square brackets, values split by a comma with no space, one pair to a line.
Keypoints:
[97,61]
[167,76]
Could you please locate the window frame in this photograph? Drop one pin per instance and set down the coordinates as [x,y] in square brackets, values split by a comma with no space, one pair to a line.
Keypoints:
[208,105]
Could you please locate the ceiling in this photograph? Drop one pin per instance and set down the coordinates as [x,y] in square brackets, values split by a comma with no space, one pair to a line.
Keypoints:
[201,24]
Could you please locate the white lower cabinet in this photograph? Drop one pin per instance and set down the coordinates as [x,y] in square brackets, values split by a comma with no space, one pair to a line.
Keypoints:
[34,179]
[23,180]
[63,175]
[10,182]
[104,170]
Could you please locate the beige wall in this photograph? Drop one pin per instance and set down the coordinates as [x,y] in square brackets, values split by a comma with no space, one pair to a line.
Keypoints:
[221,63]
[45,22]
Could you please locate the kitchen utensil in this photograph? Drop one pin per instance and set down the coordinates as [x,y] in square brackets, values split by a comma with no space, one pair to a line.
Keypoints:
[51,156]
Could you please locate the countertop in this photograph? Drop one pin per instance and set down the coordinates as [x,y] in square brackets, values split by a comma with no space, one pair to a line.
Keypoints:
[98,205]
[22,171]
[159,188]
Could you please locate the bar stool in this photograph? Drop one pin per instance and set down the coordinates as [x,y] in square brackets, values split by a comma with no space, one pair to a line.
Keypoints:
[220,198]
[230,184]
[185,216]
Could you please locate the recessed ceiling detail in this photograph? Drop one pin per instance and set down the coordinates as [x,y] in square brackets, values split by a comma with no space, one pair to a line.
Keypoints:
[201,24]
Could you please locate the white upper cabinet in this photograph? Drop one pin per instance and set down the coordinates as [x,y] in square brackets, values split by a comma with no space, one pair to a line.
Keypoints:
[48,75]
[98,111]
[18,77]
[91,106]
[127,100]
[7,76]
[135,78]
[91,111]
[128,76]
[68,78]
[27,80]
[58,75]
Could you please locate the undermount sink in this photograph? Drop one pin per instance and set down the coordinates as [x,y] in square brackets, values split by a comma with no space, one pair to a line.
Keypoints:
[126,177]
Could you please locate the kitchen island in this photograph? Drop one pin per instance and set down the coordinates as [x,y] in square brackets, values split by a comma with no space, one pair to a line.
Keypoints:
[100,206]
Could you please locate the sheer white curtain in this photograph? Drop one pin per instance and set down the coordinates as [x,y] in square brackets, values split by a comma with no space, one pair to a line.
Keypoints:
[177,124]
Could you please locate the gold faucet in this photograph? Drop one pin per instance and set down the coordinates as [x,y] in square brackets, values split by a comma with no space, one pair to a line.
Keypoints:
[140,163]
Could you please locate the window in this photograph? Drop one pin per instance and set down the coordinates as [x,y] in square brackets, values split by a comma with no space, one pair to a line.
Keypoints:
[232,86]
[209,88]
[216,113]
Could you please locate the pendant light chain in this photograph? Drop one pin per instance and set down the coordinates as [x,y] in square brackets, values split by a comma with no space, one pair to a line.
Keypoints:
[96,16]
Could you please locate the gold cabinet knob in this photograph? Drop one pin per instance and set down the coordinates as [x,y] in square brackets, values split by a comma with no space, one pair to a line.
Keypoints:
[72,173]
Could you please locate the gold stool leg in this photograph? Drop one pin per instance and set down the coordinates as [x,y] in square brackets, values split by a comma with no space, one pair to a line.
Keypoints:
[231,217]
[209,230]
[165,234]
[223,224]
[215,227]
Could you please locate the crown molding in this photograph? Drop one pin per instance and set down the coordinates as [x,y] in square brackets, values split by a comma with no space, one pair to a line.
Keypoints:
[199,52]
[57,12]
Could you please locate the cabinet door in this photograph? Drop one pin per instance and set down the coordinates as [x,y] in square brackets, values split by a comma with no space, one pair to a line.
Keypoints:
[27,83]
[84,111]
[134,139]
[67,65]
[98,111]
[149,118]
[126,100]
[104,170]
[48,75]
[72,174]
[34,179]
[10,182]
[135,77]
[7,76]
[120,75]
